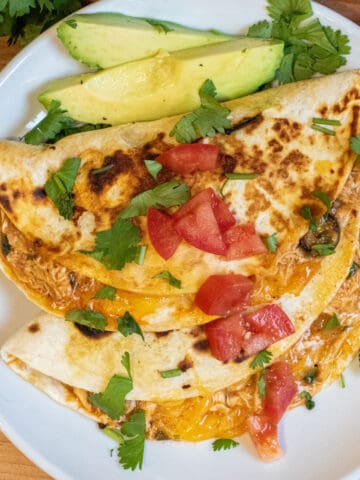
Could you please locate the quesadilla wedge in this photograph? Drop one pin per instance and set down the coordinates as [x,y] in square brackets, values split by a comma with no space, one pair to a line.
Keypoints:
[321,354]
[292,162]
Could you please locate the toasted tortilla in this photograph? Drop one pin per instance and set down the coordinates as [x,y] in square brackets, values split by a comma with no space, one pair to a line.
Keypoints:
[67,353]
[291,158]
[223,413]
[272,136]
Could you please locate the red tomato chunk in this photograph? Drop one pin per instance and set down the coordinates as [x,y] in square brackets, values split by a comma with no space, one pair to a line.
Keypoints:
[224,294]
[162,233]
[264,434]
[185,159]
[280,390]
[244,334]
[242,241]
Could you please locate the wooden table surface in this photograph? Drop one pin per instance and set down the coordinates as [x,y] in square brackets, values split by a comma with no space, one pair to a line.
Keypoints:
[13,464]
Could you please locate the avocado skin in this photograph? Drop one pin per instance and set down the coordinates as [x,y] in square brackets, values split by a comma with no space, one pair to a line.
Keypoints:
[103,40]
[166,84]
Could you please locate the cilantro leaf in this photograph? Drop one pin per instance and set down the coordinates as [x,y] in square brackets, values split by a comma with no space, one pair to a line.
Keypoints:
[324,249]
[309,402]
[87,317]
[175,372]
[131,451]
[261,385]
[125,362]
[271,243]
[174,282]
[355,144]
[127,325]
[107,292]
[223,444]
[306,213]
[260,29]
[331,323]
[205,121]
[153,167]
[112,400]
[289,9]
[59,187]
[261,359]
[165,195]
[117,246]
[324,199]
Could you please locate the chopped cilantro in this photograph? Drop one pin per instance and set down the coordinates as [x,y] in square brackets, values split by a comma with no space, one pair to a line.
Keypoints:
[324,199]
[5,245]
[87,317]
[107,292]
[309,402]
[140,255]
[261,359]
[165,195]
[321,129]
[310,375]
[342,381]
[324,249]
[59,187]
[223,444]
[96,171]
[271,242]
[153,167]
[113,433]
[205,121]
[56,125]
[174,282]
[333,322]
[306,213]
[175,372]
[326,121]
[127,325]
[241,176]
[117,246]
[131,451]
[355,144]
[310,47]
[261,385]
[112,400]
[353,269]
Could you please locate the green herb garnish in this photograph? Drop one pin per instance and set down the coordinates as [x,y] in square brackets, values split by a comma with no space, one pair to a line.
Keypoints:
[326,121]
[271,242]
[107,292]
[261,385]
[224,444]
[87,317]
[353,269]
[153,167]
[324,249]
[127,325]
[306,213]
[241,176]
[131,451]
[324,199]
[342,381]
[310,375]
[175,372]
[113,433]
[117,246]
[261,359]
[59,187]
[112,400]
[310,47]
[355,144]
[96,171]
[309,402]
[333,322]
[321,129]
[174,282]
[205,121]
[165,195]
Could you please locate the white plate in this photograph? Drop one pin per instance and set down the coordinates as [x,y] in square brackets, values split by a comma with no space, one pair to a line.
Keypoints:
[322,443]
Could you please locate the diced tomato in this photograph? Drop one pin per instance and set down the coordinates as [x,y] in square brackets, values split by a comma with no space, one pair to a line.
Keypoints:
[245,334]
[185,159]
[222,213]
[200,228]
[264,434]
[280,390]
[224,294]
[162,233]
[242,241]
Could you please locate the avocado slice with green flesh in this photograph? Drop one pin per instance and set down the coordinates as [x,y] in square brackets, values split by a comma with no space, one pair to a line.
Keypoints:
[108,39]
[166,84]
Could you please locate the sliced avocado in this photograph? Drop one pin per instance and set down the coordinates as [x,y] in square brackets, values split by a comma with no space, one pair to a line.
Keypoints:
[166,84]
[108,39]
